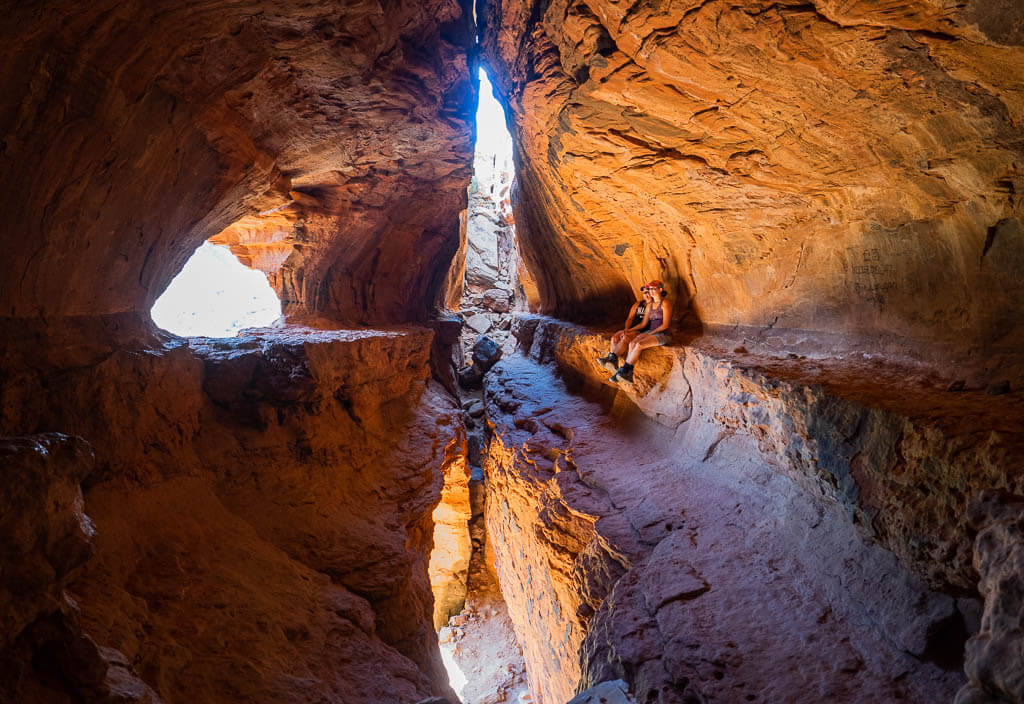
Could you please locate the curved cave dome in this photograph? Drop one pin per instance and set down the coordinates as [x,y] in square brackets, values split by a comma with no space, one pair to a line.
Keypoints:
[215,295]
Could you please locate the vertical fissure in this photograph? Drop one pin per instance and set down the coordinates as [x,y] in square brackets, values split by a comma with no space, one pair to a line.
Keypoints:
[478,642]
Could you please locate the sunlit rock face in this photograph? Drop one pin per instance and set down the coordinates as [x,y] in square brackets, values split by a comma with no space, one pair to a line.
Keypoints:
[262,507]
[848,169]
[259,514]
[328,143]
[449,557]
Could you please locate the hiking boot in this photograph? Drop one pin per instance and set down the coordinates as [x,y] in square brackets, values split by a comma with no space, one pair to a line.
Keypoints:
[610,361]
[625,373]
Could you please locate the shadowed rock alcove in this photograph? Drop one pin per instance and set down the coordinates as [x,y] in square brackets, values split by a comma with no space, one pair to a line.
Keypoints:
[813,493]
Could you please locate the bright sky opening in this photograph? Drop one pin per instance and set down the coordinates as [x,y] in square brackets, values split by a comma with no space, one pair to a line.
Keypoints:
[493,142]
[215,295]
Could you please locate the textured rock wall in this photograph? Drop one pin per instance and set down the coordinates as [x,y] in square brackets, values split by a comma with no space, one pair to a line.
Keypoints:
[262,510]
[903,466]
[712,555]
[845,168]
[994,665]
[329,144]
[757,467]
[452,549]
[553,565]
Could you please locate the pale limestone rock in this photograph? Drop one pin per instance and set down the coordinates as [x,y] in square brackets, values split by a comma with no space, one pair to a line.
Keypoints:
[479,322]
[614,692]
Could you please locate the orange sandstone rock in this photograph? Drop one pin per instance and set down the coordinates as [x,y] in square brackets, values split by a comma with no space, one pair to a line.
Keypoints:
[846,169]
[714,556]
[262,504]
[329,144]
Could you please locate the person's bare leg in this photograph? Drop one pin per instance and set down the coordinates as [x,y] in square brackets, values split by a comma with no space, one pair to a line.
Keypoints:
[638,345]
[619,347]
[617,342]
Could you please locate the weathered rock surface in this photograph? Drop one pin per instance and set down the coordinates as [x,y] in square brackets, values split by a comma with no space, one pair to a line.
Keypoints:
[678,555]
[479,323]
[451,551]
[329,144]
[843,168]
[615,692]
[496,300]
[994,656]
[262,505]
[44,654]
[45,532]
[486,354]
[903,465]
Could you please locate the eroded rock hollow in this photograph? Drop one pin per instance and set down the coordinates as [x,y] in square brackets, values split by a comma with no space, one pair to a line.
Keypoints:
[814,492]
[848,169]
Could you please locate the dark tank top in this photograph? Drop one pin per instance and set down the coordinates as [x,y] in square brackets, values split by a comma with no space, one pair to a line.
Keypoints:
[656,319]
[639,315]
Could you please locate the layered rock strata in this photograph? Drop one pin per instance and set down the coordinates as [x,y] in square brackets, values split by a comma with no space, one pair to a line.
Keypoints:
[902,465]
[329,144]
[850,169]
[777,536]
[262,509]
[994,664]
[452,549]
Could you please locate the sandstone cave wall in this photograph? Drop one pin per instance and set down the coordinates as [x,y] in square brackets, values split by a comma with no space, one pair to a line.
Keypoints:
[609,513]
[851,169]
[256,520]
[330,144]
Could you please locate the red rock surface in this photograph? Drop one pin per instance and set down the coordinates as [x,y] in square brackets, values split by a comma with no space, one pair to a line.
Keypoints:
[903,465]
[330,144]
[451,549]
[262,505]
[837,176]
[851,169]
[712,553]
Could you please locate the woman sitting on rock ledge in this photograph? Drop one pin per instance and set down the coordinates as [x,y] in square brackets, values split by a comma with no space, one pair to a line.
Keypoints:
[635,324]
[656,322]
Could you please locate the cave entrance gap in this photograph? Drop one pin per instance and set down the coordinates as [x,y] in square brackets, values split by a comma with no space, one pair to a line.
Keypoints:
[478,643]
[215,295]
[492,286]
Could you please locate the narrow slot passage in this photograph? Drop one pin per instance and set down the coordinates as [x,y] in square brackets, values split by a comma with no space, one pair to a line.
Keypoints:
[484,660]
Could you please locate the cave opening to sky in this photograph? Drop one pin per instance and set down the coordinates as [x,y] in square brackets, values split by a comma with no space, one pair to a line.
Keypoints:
[215,295]
[478,643]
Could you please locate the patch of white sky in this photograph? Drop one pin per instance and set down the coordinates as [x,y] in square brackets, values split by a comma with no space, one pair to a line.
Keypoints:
[493,142]
[215,295]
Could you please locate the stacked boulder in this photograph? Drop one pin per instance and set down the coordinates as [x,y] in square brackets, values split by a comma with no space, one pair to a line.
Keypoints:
[486,353]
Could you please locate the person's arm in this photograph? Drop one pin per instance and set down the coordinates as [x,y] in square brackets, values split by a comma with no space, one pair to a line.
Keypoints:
[666,313]
[629,318]
[642,323]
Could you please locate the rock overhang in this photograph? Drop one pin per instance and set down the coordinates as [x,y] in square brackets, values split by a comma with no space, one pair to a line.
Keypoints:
[840,170]
[330,145]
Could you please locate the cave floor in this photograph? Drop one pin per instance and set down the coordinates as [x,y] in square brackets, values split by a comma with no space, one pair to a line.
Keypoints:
[750,589]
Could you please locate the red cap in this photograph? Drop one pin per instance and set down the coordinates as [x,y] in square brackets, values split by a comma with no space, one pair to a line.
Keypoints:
[655,284]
